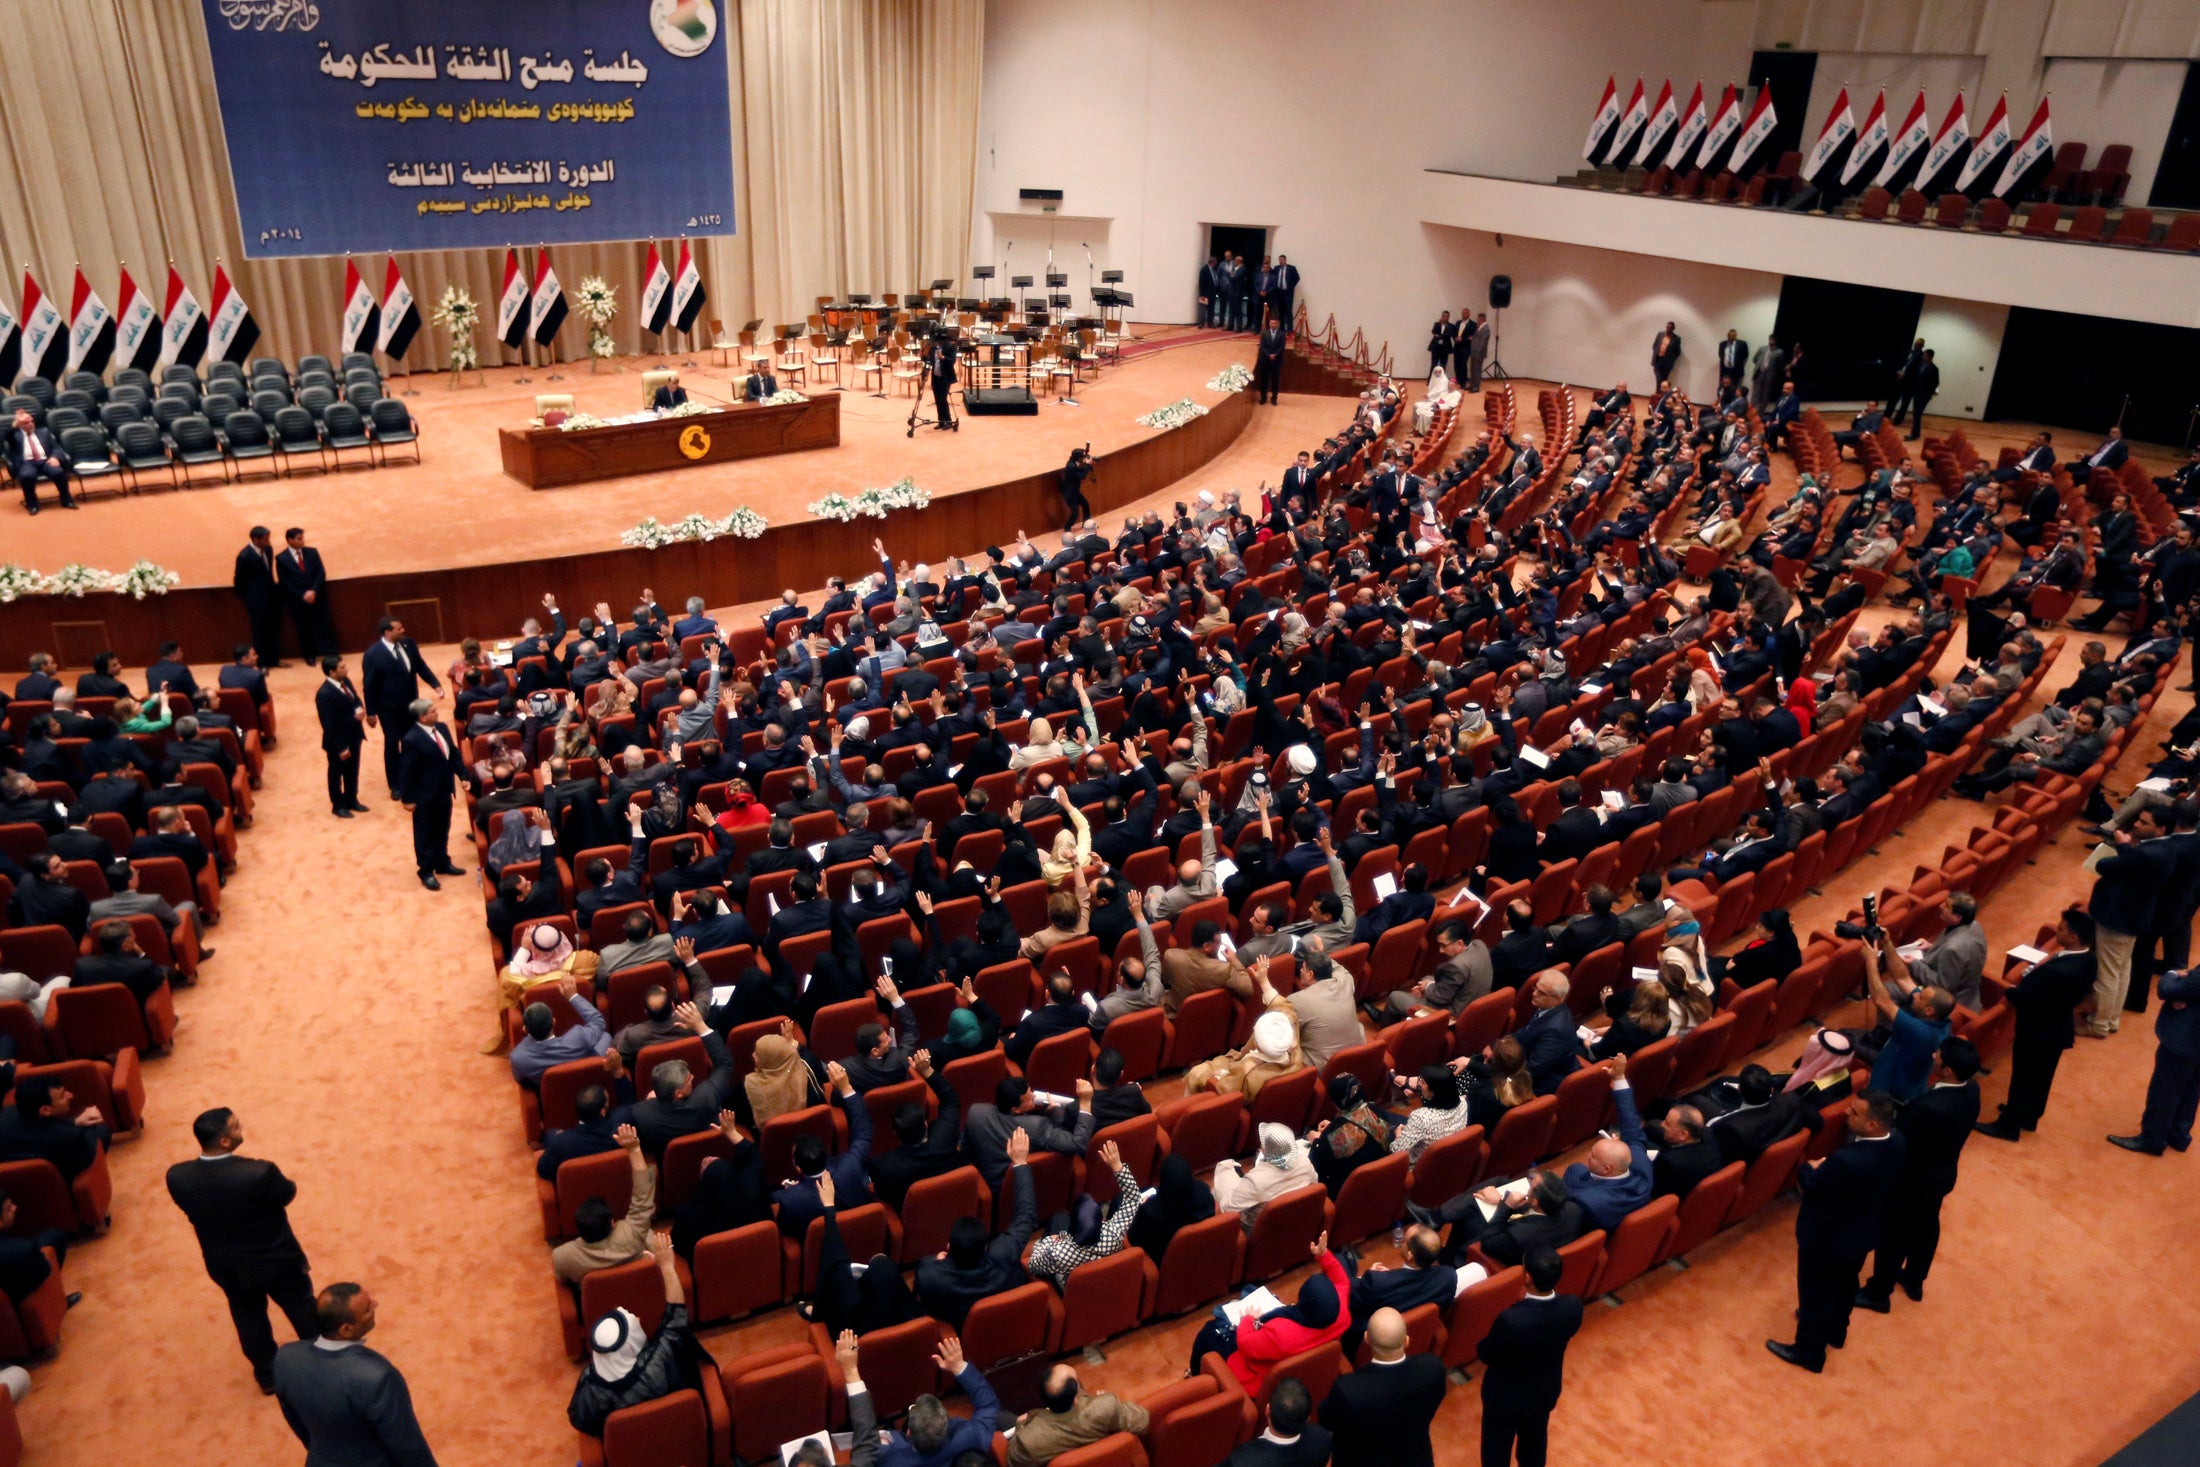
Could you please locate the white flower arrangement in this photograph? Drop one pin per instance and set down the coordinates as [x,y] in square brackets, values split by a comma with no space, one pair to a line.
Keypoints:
[872,503]
[597,303]
[77,579]
[574,422]
[689,409]
[743,524]
[1173,415]
[783,397]
[456,312]
[146,579]
[18,581]
[1233,378]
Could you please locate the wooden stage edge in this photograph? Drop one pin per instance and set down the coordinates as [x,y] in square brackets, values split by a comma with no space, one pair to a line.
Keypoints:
[491,601]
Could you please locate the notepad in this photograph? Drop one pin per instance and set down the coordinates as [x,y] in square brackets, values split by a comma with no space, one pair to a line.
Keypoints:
[1257,1303]
[1535,757]
[1225,869]
[2024,952]
[1612,800]
[1386,886]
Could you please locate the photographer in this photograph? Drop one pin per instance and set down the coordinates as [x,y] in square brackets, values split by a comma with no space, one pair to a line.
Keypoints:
[1071,486]
[1916,1018]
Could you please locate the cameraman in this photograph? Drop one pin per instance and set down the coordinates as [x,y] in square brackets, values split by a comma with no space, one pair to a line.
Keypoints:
[1916,1018]
[1955,961]
[1072,486]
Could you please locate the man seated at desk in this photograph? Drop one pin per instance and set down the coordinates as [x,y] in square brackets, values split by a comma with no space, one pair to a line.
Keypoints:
[758,385]
[668,395]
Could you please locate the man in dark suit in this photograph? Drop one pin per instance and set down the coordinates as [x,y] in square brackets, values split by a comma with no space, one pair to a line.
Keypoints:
[1935,1126]
[1524,1366]
[1686,1153]
[2126,889]
[1299,480]
[758,385]
[1575,832]
[348,1403]
[1665,354]
[1921,390]
[1292,1439]
[237,1206]
[430,763]
[2108,458]
[939,359]
[2173,1090]
[390,674]
[34,453]
[1733,358]
[973,1267]
[1549,1038]
[668,395]
[1766,1115]
[261,591]
[926,1146]
[1284,287]
[1844,1196]
[1422,1278]
[800,1200]
[1268,360]
[1210,290]
[2045,1001]
[343,734]
[1379,1416]
[304,583]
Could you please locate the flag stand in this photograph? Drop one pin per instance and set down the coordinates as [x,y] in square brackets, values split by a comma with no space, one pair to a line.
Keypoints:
[526,359]
[552,347]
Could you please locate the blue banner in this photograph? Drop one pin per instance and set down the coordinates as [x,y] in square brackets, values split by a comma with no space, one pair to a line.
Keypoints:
[358,126]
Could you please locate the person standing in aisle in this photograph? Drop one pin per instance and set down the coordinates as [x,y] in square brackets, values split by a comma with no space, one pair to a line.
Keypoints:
[343,734]
[239,1207]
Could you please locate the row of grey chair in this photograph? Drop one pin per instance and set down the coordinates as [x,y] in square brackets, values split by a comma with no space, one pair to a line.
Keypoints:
[284,444]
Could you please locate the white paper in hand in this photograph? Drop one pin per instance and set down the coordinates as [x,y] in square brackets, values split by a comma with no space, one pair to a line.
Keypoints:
[788,1449]
[2024,952]
[1225,869]
[1386,886]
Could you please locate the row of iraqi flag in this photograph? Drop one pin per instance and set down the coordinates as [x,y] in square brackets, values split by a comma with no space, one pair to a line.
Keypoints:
[1915,154]
[670,301]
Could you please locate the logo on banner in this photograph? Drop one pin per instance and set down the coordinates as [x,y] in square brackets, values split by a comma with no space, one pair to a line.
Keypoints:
[271,15]
[694,442]
[684,27]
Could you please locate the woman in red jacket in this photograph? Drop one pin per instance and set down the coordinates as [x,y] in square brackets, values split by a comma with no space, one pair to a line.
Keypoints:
[1253,1347]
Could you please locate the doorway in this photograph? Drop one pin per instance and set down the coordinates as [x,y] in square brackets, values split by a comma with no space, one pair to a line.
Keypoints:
[1249,242]
[1854,337]
[1789,74]
[2177,177]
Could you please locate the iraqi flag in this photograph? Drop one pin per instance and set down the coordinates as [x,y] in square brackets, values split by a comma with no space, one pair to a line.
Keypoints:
[1948,144]
[1601,124]
[400,317]
[1660,126]
[91,328]
[1869,140]
[548,311]
[1762,119]
[11,345]
[1840,127]
[1907,143]
[1691,129]
[232,333]
[137,327]
[1630,123]
[512,305]
[45,335]
[656,293]
[362,316]
[1726,120]
[2031,152]
[1988,146]
[183,325]
[687,291]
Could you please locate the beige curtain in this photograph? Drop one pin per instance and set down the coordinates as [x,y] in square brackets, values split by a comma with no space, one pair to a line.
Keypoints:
[853,169]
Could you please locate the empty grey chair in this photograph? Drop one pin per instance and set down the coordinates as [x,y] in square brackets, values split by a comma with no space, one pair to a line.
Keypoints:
[196,446]
[134,377]
[315,400]
[38,387]
[315,362]
[112,415]
[246,432]
[269,367]
[217,372]
[363,396]
[88,383]
[296,435]
[181,392]
[270,382]
[217,408]
[76,397]
[61,419]
[23,402]
[138,392]
[267,402]
[354,375]
[143,452]
[354,359]
[316,379]
[168,410]
[179,372]
[393,425]
[91,460]
[345,428]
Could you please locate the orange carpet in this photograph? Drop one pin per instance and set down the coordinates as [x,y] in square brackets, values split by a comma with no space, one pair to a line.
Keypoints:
[342,1018]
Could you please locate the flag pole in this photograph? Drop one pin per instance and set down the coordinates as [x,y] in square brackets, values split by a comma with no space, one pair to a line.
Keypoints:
[550,347]
[525,357]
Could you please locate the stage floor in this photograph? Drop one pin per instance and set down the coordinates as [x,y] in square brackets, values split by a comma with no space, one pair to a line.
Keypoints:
[458,509]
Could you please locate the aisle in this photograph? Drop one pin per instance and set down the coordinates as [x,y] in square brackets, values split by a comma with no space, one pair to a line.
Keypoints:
[341,1021]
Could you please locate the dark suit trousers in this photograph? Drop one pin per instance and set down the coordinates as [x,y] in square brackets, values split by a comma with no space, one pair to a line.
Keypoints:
[343,777]
[1501,1429]
[393,739]
[28,475]
[1909,1236]
[1917,416]
[1268,377]
[432,834]
[2031,1077]
[2173,1096]
[310,619]
[249,1290]
[939,400]
[267,630]
[1825,1296]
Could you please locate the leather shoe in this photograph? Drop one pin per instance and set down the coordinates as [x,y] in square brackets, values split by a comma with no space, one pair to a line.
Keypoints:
[70,504]
[2139,1144]
[1999,1130]
[1876,1303]
[357,809]
[70,1301]
[343,812]
[447,869]
[34,509]
[205,953]
[1915,1291]
[1794,1356]
[431,883]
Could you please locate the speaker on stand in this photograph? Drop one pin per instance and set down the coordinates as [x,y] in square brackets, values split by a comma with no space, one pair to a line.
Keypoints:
[1501,296]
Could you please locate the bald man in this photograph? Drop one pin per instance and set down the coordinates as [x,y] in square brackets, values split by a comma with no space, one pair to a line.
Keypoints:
[1380,1415]
[1616,1179]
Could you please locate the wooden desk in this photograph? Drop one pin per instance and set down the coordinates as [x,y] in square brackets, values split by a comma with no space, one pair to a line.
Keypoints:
[546,458]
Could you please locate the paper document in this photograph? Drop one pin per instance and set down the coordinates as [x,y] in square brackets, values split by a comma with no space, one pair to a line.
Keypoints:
[1386,886]
[817,852]
[788,1449]
[1257,1303]
[1092,1005]
[1613,800]
[2157,784]
[2024,952]
[1225,869]
[1646,975]
[2101,853]
[1535,757]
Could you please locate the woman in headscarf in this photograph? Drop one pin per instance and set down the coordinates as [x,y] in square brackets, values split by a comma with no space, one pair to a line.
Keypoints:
[1296,633]
[1645,1020]
[518,841]
[973,1028]
[1180,1199]
[1093,1232]
[628,1367]
[878,1298]
[742,808]
[1072,851]
[1703,679]
[1251,1346]
[1224,694]
[1802,701]
[1356,1135]
[782,1080]
[1498,1083]
[1272,1050]
[1685,975]
[1442,1112]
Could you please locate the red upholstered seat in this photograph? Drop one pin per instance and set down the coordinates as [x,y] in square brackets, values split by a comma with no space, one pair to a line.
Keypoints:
[1203,1262]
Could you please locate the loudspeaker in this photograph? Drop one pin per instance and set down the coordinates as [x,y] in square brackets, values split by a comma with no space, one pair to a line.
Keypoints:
[1501,292]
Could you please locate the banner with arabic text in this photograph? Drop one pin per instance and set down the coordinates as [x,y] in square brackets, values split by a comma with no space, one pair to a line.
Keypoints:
[363,126]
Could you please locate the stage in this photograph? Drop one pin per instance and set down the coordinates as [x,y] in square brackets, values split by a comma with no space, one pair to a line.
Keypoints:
[429,538]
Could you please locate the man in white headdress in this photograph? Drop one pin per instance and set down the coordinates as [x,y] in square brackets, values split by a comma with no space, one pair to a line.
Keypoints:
[627,1366]
[1281,1167]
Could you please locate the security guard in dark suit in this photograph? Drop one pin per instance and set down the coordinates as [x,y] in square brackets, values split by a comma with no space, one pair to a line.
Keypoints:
[1934,1126]
[1844,1197]
[238,1205]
